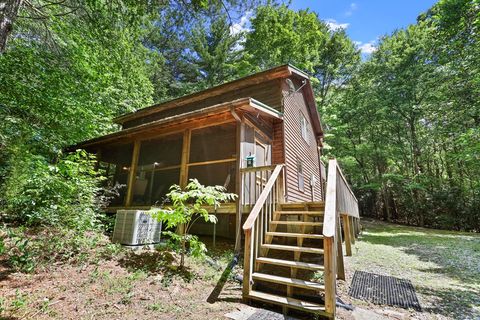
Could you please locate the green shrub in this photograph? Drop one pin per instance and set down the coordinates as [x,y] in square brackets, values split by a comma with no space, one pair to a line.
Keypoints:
[21,255]
[26,249]
[64,194]
[186,204]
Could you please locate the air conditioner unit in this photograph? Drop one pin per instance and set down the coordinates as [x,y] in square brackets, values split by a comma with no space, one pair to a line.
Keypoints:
[136,227]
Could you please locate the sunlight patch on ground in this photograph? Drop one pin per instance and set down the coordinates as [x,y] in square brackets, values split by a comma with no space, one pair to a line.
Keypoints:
[442,265]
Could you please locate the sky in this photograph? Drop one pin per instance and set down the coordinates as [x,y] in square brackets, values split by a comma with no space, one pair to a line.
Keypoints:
[366,21]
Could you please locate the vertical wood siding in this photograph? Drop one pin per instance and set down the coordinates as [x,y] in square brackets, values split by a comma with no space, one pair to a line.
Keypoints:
[296,148]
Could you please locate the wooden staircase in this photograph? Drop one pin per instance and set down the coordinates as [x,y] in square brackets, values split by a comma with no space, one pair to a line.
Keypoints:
[291,255]
[293,251]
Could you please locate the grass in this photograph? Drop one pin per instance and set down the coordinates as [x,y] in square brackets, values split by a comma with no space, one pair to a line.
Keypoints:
[443,266]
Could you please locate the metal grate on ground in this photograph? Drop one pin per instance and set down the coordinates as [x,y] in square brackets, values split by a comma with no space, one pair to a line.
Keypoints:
[384,290]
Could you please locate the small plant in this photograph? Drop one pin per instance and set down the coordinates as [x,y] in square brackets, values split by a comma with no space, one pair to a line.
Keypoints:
[21,256]
[2,305]
[2,246]
[186,204]
[155,307]
[318,277]
[20,300]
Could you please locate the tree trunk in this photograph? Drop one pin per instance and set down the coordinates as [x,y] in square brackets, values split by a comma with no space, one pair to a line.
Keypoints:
[8,14]
[182,256]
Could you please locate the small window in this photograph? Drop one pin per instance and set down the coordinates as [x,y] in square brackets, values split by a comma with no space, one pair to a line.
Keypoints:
[304,128]
[301,180]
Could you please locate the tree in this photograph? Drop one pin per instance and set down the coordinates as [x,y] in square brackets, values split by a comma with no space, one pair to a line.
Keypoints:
[8,14]
[214,55]
[406,123]
[281,35]
[196,49]
[186,204]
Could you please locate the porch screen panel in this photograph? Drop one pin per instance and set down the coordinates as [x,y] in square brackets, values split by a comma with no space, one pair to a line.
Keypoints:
[212,157]
[115,161]
[213,143]
[222,174]
[158,168]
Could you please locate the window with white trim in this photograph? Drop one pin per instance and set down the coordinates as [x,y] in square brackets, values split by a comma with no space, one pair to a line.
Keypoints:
[301,179]
[304,128]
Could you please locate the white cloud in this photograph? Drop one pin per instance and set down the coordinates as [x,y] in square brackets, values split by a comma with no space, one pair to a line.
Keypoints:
[334,25]
[351,8]
[242,24]
[366,48]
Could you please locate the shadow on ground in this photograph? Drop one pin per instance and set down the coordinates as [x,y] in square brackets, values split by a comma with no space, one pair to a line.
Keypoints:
[214,295]
[5,271]
[453,303]
[456,256]
[156,262]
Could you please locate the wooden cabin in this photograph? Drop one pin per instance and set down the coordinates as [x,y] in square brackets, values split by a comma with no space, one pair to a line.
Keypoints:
[259,136]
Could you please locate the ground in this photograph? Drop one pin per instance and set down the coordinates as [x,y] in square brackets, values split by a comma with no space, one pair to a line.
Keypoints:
[135,286]
[443,266]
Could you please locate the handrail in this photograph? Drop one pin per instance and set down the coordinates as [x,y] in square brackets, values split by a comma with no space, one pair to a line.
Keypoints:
[330,215]
[262,168]
[339,199]
[345,181]
[257,224]
[262,198]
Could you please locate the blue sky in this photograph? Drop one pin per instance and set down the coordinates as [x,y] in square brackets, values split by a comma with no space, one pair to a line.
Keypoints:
[366,20]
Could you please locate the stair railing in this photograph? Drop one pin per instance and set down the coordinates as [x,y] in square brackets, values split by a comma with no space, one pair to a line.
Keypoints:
[256,225]
[339,200]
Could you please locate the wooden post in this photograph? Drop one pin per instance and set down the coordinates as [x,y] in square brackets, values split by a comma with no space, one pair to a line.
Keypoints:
[348,234]
[357,223]
[187,134]
[338,241]
[352,229]
[247,286]
[132,173]
[239,187]
[330,274]
[281,188]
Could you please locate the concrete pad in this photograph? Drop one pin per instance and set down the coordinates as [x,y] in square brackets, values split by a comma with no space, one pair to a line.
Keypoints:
[363,314]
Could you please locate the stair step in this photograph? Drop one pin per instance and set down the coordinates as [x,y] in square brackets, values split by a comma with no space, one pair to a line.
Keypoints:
[310,213]
[303,205]
[295,235]
[292,248]
[288,281]
[298,223]
[292,264]
[289,302]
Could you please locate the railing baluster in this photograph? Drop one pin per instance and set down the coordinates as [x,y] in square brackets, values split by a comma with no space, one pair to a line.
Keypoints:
[256,225]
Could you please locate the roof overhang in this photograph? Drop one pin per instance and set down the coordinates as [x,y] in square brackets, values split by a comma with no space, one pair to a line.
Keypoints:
[244,104]
[282,71]
[310,100]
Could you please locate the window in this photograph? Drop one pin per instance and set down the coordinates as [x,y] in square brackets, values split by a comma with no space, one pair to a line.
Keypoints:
[301,179]
[304,128]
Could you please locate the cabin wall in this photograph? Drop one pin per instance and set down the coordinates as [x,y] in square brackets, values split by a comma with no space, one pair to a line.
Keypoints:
[297,149]
[266,93]
[278,143]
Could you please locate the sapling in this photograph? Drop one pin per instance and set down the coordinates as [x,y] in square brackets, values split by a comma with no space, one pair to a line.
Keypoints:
[185,207]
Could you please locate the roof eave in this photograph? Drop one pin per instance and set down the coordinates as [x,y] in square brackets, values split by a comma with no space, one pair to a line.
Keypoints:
[270,74]
[239,103]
